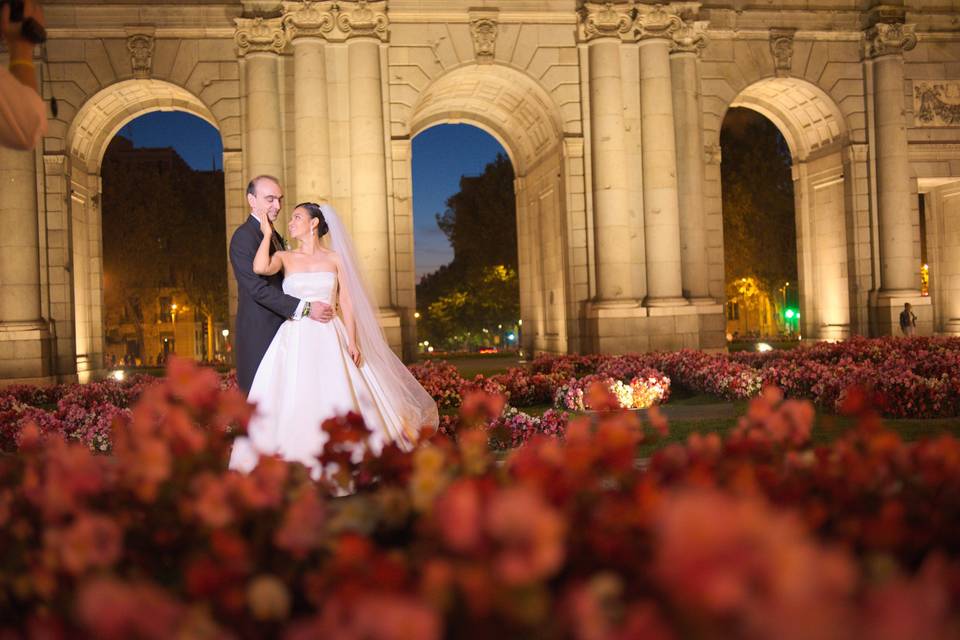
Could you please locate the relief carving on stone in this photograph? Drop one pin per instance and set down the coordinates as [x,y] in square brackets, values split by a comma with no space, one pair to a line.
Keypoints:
[483,30]
[362,18]
[657,21]
[781,47]
[885,38]
[259,34]
[711,153]
[936,104]
[691,37]
[604,20]
[308,19]
[140,46]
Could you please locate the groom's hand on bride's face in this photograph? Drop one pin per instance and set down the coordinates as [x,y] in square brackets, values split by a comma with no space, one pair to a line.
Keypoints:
[321,312]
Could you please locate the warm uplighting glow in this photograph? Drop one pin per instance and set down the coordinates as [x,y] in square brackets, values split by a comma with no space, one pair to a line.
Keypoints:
[416,314]
[118,375]
[763,347]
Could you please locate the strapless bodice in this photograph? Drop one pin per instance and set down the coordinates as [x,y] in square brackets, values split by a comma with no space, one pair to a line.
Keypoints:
[311,285]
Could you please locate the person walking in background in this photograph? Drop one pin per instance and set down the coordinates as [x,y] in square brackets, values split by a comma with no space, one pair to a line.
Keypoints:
[908,321]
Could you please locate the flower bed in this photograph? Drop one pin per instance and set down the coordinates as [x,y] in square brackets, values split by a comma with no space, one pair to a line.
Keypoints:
[758,535]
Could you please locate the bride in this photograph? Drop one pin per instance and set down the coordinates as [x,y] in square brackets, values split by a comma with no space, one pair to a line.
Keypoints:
[313,371]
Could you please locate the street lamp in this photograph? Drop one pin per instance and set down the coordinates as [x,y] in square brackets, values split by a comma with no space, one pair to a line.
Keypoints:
[173,316]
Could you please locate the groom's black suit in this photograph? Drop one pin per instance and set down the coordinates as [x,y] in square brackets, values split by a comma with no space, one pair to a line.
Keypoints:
[262,306]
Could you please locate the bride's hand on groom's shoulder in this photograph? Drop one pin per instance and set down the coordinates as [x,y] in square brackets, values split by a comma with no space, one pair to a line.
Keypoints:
[321,312]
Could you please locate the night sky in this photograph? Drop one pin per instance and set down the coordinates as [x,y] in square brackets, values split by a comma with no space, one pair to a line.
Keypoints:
[441,155]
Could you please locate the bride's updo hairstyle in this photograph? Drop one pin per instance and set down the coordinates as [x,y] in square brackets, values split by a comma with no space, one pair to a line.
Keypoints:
[314,210]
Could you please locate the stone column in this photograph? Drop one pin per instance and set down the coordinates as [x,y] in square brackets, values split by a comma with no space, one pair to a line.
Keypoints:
[259,43]
[885,45]
[602,27]
[365,27]
[688,41]
[307,27]
[24,335]
[899,270]
[661,209]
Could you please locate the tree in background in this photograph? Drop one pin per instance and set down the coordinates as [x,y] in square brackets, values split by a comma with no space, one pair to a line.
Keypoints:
[759,223]
[479,289]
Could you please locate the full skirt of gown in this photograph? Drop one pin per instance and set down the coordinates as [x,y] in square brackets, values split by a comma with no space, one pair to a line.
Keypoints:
[307,376]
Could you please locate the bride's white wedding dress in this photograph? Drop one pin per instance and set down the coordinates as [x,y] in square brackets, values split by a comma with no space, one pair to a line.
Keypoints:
[307,376]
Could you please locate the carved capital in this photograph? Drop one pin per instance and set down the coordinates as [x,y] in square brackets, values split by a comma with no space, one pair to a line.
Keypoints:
[54,163]
[362,19]
[691,37]
[781,48]
[140,47]
[483,30]
[886,38]
[308,19]
[259,34]
[604,20]
[657,21]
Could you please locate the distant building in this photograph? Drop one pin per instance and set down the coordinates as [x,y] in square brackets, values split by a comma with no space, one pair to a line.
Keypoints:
[147,320]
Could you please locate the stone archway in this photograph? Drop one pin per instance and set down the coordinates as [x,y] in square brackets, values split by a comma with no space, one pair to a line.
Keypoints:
[520,114]
[90,132]
[816,134]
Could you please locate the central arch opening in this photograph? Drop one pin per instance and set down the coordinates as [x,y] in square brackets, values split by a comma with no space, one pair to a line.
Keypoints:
[465,239]
[164,287]
[806,127]
[515,110]
[759,229]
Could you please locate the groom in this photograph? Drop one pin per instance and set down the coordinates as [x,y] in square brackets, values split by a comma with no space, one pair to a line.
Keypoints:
[262,305]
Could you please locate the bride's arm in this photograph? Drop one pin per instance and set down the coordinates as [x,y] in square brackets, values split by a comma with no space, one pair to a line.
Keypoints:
[349,321]
[263,263]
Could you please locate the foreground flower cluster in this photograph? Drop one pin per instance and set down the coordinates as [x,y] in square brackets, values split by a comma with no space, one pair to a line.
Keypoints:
[755,536]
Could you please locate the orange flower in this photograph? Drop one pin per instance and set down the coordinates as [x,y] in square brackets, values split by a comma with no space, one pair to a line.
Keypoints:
[268,598]
[111,609]
[459,514]
[530,534]
[302,529]
[736,559]
[195,386]
[92,541]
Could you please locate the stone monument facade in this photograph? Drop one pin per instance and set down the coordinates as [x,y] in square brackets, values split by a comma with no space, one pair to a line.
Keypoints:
[610,113]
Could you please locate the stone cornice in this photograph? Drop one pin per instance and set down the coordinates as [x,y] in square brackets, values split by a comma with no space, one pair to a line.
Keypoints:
[604,20]
[256,35]
[889,38]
